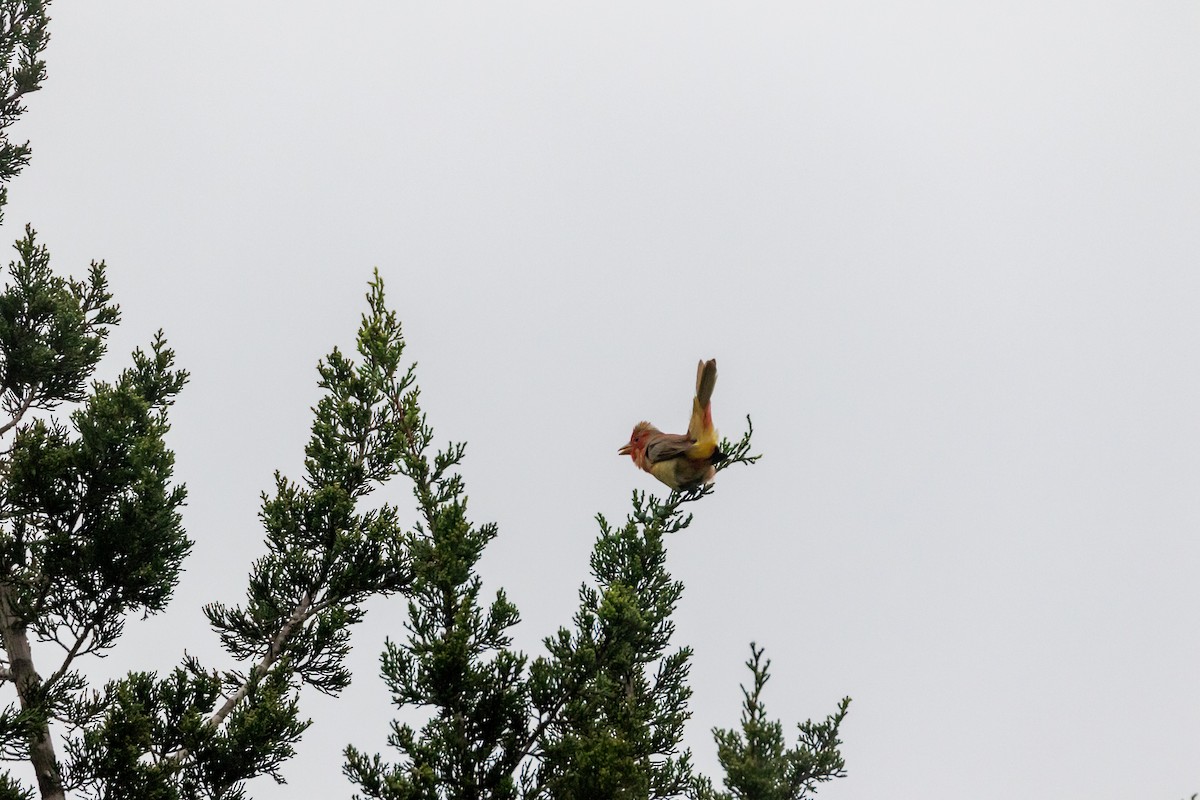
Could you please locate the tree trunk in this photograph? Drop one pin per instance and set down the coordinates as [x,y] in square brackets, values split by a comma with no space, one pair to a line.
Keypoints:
[15,638]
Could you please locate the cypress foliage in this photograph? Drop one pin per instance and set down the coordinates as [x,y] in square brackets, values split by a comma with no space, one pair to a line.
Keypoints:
[600,715]
[456,662]
[90,531]
[91,535]
[202,733]
[758,765]
[617,735]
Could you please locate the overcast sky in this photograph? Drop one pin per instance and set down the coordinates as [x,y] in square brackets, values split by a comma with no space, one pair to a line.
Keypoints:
[947,255]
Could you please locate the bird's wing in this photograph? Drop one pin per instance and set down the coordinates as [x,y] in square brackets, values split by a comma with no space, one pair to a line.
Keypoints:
[665,446]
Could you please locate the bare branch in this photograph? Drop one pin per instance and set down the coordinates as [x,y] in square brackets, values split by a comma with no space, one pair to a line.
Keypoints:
[19,413]
[299,615]
[77,648]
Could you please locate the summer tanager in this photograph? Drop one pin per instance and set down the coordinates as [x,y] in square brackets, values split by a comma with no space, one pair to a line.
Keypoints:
[682,460]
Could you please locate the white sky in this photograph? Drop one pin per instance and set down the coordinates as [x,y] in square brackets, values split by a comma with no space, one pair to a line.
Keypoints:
[945,252]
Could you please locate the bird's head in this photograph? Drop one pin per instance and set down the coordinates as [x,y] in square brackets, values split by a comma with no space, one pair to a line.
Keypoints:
[637,440]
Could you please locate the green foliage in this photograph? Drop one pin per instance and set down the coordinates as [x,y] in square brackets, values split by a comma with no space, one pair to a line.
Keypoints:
[23,38]
[13,790]
[325,556]
[758,765]
[610,696]
[142,716]
[612,699]
[90,534]
[52,331]
[456,662]
[94,529]
[133,750]
[601,715]
[90,530]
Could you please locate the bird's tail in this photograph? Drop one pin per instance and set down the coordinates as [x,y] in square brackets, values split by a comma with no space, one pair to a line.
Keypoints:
[700,426]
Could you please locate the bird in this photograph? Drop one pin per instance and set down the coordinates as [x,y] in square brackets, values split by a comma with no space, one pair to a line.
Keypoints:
[683,461]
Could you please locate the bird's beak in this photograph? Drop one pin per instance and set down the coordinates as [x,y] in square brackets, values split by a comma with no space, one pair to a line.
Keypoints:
[624,451]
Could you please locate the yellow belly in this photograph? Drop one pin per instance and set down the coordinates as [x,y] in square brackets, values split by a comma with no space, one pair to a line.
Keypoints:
[683,473]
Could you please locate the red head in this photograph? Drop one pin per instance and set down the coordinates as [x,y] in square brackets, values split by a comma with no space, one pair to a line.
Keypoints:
[637,441]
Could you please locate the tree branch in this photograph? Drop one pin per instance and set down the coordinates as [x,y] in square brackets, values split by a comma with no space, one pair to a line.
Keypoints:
[299,615]
[20,413]
[79,640]
[15,637]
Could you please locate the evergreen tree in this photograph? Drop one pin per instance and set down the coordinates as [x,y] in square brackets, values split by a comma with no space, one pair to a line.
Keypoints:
[601,715]
[757,763]
[23,39]
[90,532]
[196,733]
[456,662]
[89,525]
[616,732]
[91,535]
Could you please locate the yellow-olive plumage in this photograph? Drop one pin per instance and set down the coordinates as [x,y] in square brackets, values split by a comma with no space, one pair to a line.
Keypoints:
[682,460]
